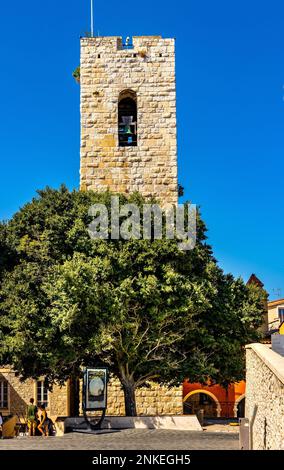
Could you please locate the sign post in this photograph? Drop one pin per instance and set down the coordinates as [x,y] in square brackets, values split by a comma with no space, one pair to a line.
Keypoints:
[95,394]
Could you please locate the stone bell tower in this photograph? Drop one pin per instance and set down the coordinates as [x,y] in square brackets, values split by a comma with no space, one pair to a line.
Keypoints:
[128,116]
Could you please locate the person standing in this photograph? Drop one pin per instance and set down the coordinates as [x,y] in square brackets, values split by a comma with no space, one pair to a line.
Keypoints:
[44,421]
[32,417]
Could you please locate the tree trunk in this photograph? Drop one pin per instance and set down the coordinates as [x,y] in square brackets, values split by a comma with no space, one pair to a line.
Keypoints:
[129,398]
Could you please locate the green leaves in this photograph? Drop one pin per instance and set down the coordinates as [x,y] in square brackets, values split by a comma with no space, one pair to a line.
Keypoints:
[143,307]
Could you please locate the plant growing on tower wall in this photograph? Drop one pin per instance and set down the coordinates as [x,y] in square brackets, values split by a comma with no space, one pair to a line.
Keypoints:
[142,53]
[76,74]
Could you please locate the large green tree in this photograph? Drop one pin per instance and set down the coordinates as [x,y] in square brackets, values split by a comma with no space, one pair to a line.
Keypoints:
[143,307]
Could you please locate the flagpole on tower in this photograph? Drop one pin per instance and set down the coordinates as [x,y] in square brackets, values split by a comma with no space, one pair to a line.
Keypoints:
[92,19]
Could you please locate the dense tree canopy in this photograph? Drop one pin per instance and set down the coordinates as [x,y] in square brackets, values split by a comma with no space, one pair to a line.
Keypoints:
[143,307]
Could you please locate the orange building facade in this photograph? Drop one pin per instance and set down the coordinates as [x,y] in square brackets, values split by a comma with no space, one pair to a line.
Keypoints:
[216,401]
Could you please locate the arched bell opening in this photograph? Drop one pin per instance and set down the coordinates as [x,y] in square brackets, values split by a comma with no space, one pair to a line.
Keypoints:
[127,119]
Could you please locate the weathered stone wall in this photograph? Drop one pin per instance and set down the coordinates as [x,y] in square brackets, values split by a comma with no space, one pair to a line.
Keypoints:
[149,70]
[265,396]
[59,401]
[155,400]
[20,393]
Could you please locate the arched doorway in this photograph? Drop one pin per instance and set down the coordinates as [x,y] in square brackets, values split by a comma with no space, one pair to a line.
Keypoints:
[127,118]
[239,408]
[202,400]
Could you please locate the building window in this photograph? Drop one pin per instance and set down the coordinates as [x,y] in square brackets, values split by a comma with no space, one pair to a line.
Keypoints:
[41,392]
[127,119]
[281,314]
[3,394]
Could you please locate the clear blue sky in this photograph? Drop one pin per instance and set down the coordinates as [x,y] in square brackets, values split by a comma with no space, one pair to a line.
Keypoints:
[230,77]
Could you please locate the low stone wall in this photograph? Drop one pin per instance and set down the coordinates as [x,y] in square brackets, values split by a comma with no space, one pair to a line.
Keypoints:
[265,397]
[182,423]
[155,400]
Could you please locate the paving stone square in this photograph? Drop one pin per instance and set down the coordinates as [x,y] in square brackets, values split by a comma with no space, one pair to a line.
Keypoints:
[129,439]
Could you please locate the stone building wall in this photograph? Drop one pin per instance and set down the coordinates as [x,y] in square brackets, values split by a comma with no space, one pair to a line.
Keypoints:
[265,397]
[59,401]
[20,393]
[153,400]
[156,400]
[148,70]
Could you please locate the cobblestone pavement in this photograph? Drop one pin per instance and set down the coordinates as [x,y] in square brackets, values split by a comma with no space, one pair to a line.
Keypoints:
[129,439]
